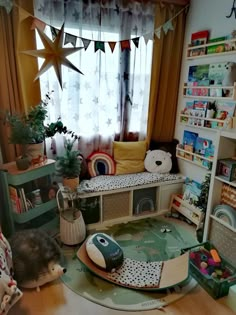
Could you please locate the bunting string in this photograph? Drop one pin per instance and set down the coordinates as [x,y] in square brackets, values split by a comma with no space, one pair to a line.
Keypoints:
[100,45]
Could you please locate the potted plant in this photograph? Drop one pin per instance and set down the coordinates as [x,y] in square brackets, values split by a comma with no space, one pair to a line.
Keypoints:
[68,166]
[30,131]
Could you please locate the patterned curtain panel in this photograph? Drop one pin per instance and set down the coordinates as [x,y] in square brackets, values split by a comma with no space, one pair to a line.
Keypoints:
[110,99]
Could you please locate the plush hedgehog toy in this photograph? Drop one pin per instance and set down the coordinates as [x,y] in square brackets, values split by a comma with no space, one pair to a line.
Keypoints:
[36,258]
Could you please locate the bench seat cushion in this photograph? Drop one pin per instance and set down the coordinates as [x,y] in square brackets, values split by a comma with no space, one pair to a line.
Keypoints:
[110,182]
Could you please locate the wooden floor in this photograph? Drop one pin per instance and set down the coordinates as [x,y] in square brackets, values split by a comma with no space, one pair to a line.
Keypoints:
[57,299]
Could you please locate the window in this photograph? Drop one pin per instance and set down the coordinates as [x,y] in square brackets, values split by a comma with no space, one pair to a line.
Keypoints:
[113,92]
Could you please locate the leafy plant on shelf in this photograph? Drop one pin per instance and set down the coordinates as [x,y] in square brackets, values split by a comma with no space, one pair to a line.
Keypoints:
[31,128]
[69,165]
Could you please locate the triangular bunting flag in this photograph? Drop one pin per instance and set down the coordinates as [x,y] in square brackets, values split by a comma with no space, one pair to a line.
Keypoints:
[7,4]
[86,42]
[70,39]
[38,24]
[23,14]
[168,26]
[148,37]
[99,45]
[54,32]
[125,44]
[112,45]
[158,32]
[136,41]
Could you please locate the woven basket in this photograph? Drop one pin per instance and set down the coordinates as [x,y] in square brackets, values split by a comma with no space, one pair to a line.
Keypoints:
[72,226]
[228,195]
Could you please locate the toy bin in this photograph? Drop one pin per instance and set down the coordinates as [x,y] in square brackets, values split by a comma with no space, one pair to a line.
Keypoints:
[216,278]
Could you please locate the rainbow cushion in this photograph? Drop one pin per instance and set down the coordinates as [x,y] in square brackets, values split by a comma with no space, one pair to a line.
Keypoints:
[100,163]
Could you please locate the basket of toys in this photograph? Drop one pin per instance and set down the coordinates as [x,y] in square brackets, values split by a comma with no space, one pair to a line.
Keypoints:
[210,269]
[72,226]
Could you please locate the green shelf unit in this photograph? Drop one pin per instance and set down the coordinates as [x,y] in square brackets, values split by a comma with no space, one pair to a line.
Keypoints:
[12,221]
[32,173]
[34,212]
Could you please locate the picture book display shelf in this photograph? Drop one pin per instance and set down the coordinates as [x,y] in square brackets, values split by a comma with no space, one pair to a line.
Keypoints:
[220,216]
[28,197]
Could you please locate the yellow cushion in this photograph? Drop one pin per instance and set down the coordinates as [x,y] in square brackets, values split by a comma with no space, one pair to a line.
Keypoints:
[129,156]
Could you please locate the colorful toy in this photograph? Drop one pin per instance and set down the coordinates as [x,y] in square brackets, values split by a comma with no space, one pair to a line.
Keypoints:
[209,263]
[138,274]
[215,255]
[104,251]
[158,161]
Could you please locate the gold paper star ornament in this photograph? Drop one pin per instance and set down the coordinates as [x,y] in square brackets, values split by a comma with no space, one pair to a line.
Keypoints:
[54,54]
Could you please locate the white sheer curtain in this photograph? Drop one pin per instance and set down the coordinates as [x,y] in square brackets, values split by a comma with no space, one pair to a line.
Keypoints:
[111,98]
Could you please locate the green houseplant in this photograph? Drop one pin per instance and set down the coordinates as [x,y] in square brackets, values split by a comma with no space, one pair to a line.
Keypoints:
[68,166]
[30,129]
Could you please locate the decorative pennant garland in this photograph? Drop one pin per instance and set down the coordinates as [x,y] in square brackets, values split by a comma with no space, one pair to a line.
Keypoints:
[55,54]
[100,45]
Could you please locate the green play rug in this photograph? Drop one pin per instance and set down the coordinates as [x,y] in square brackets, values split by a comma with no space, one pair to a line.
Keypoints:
[147,239]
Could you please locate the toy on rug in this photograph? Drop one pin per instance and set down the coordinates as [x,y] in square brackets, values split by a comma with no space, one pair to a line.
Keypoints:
[158,161]
[36,258]
[102,257]
[104,251]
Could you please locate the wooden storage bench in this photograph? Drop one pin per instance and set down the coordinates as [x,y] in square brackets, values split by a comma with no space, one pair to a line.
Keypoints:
[108,199]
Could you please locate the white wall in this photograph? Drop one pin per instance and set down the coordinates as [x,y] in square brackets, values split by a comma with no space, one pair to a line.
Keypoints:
[203,15]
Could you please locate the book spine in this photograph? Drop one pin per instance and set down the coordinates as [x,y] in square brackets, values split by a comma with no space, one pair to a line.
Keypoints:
[15,200]
[23,199]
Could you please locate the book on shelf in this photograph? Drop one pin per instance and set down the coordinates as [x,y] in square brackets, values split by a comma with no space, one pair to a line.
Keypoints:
[16,201]
[192,191]
[197,52]
[216,91]
[207,75]
[23,199]
[188,148]
[180,152]
[217,48]
[189,105]
[189,138]
[200,105]
[230,46]
[198,73]
[201,145]
[202,162]
[224,110]
[196,121]
[217,72]
[199,38]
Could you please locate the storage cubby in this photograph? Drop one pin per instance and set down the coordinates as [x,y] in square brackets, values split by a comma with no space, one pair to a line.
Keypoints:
[144,200]
[29,197]
[115,205]
[104,208]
